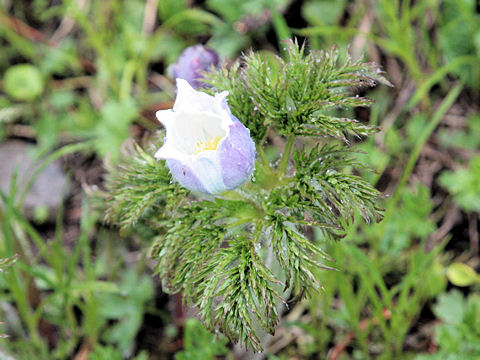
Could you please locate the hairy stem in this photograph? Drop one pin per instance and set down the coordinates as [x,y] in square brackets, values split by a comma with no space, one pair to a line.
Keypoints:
[282,167]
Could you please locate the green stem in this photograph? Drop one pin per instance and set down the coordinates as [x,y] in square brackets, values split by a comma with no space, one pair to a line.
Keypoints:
[282,167]
[258,231]
[422,139]
[262,155]
[239,194]
[65,150]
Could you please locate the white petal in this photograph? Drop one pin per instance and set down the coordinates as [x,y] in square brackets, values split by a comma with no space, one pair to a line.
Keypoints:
[166,117]
[167,151]
[190,129]
[189,99]
[221,102]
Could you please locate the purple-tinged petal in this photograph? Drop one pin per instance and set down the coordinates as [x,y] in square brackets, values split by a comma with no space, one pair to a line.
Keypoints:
[237,155]
[208,171]
[192,62]
[201,174]
[184,175]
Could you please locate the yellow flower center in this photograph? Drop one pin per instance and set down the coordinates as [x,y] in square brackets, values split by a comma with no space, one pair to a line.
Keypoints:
[210,144]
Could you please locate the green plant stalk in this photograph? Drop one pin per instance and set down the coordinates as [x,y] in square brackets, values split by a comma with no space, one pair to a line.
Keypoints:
[143,61]
[282,167]
[52,157]
[18,280]
[280,26]
[412,160]
[261,154]
[354,306]
[373,281]
[85,24]
[437,76]
[55,258]
[127,80]
[18,290]
[60,267]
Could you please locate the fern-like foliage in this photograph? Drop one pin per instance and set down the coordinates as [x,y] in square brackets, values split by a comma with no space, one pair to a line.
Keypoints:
[296,99]
[139,187]
[240,255]
[334,194]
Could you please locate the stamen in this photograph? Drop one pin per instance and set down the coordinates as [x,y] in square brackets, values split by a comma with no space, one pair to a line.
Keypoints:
[210,144]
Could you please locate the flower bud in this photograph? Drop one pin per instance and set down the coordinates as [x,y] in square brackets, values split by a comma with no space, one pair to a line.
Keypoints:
[192,62]
[207,149]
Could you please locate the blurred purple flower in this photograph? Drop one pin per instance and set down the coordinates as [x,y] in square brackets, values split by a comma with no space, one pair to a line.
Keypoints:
[207,148]
[192,62]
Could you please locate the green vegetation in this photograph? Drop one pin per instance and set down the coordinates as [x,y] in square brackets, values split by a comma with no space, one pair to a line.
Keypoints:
[82,80]
[218,252]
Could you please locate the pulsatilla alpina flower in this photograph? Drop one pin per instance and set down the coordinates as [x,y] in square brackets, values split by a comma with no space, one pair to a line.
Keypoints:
[192,62]
[207,149]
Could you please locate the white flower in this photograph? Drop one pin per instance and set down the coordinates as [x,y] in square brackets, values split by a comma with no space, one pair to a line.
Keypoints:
[207,148]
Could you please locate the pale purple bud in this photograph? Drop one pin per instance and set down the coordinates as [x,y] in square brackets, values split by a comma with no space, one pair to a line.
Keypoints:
[207,149]
[192,62]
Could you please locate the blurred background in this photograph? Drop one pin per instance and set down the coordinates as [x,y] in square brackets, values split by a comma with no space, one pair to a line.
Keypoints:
[78,78]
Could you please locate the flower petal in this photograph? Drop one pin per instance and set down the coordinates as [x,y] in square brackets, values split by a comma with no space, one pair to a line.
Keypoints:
[199,174]
[207,149]
[188,99]
[184,175]
[168,151]
[192,62]
[237,156]
[209,173]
